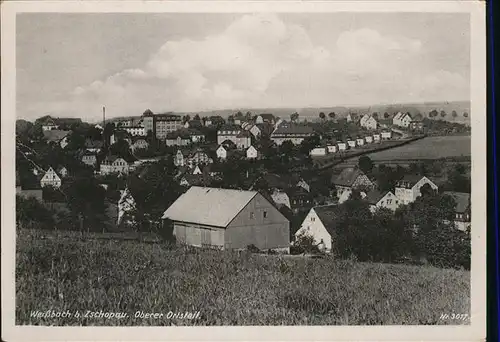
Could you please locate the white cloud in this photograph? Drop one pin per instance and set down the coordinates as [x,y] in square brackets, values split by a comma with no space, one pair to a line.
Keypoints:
[259,60]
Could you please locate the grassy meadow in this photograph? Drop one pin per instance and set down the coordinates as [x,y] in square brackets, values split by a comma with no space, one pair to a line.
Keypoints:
[68,273]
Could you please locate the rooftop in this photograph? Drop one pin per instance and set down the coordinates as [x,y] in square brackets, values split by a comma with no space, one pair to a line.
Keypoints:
[347,177]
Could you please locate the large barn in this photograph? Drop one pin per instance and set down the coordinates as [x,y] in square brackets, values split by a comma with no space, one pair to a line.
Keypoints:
[228,219]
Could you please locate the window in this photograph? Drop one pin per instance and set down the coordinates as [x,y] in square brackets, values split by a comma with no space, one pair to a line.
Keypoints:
[252,215]
[389,201]
[313,219]
[264,214]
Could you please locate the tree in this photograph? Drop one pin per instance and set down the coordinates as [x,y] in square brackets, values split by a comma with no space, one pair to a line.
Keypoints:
[309,143]
[286,148]
[197,117]
[331,115]
[121,149]
[433,113]
[186,118]
[109,130]
[465,114]
[457,180]
[442,113]
[147,112]
[248,115]
[386,115]
[294,117]
[365,164]
[454,114]
[322,116]
[375,115]
[32,214]
[86,202]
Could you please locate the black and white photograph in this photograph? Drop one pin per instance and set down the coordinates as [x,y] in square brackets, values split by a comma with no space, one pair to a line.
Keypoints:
[268,165]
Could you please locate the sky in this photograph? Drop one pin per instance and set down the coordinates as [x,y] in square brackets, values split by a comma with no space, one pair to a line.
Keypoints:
[70,65]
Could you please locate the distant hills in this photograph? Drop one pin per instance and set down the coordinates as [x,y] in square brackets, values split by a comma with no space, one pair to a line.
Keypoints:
[341,111]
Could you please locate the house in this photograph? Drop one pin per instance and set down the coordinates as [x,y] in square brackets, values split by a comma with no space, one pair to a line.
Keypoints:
[376,137]
[50,178]
[342,146]
[179,159]
[265,118]
[221,152]
[350,178]
[228,219]
[386,199]
[240,137]
[120,135]
[198,157]
[281,198]
[189,180]
[135,131]
[196,136]
[49,124]
[331,147]
[360,141]
[408,188]
[416,125]
[122,123]
[369,139]
[386,135]
[319,224]
[252,153]
[295,133]
[300,198]
[462,209]
[140,144]
[344,196]
[368,122]
[113,164]
[265,128]
[215,120]
[254,130]
[89,158]
[351,142]
[353,117]
[57,136]
[193,124]
[318,151]
[178,138]
[63,171]
[402,120]
[93,145]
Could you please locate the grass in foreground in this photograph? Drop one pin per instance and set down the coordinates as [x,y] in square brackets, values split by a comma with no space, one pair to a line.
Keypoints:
[227,288]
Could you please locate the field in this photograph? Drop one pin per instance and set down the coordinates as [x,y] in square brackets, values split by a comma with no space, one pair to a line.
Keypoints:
[428,148]
[67,273]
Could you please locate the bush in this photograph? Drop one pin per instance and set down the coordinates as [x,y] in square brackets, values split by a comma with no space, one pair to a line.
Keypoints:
[31,213]
[253,249]
[306,244]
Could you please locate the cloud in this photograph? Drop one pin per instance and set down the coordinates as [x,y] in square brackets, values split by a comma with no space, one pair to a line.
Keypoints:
[261,61]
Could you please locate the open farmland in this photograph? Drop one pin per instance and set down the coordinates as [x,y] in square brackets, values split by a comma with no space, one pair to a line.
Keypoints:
[67,273]
[428,148]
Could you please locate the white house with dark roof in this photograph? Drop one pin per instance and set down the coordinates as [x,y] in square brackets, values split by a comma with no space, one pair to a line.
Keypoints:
[402,119]
[240,137]
[228,219]
[50,178]
[386,135]
[319,224]
[291,132]
[382,199]
[351,142]
[221,152]
[369,139]
[318,151]
[252,153]
[351,178]
[114,164]
[342,146]
[462,209]
[57,136]
[360,141]
[265,118]
[408,188]
[369,122]
[376,137]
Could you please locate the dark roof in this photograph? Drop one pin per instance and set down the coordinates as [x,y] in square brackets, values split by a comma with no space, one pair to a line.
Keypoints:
[243,134]
[67,121]
[265,128]
[93,143]
[412,179]
[195,123]
[182,133]
[55,135]
[275,181]
[230,128]
[112,158]
[385,121]
[347,177]
[374,196]
[289,128]
[462,199]
[327,215]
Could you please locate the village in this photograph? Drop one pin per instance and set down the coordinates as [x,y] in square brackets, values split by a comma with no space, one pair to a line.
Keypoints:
[245,181]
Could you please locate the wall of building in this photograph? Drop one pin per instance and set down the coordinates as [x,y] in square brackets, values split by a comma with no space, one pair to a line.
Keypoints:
[198,235]
[312,226]
[251,227]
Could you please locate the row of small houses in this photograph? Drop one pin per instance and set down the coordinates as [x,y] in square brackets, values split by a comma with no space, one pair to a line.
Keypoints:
[404,120]
[334,146]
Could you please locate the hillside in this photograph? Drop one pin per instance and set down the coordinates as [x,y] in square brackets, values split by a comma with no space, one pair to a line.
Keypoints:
[68,273]
[312,113]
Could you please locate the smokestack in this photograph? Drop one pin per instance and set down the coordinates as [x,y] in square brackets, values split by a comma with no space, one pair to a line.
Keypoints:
[103,116]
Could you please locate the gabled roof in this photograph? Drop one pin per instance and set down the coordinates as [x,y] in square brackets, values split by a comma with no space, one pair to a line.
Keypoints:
[347,177]
[93,143]
[398,116]
[267,116]
[209,206]
[244,134]
[182,133]
[55,135]
[289,128]
[111,159]
[462,199]
[327,214]
[412,179]
[374,196]
[229,128]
